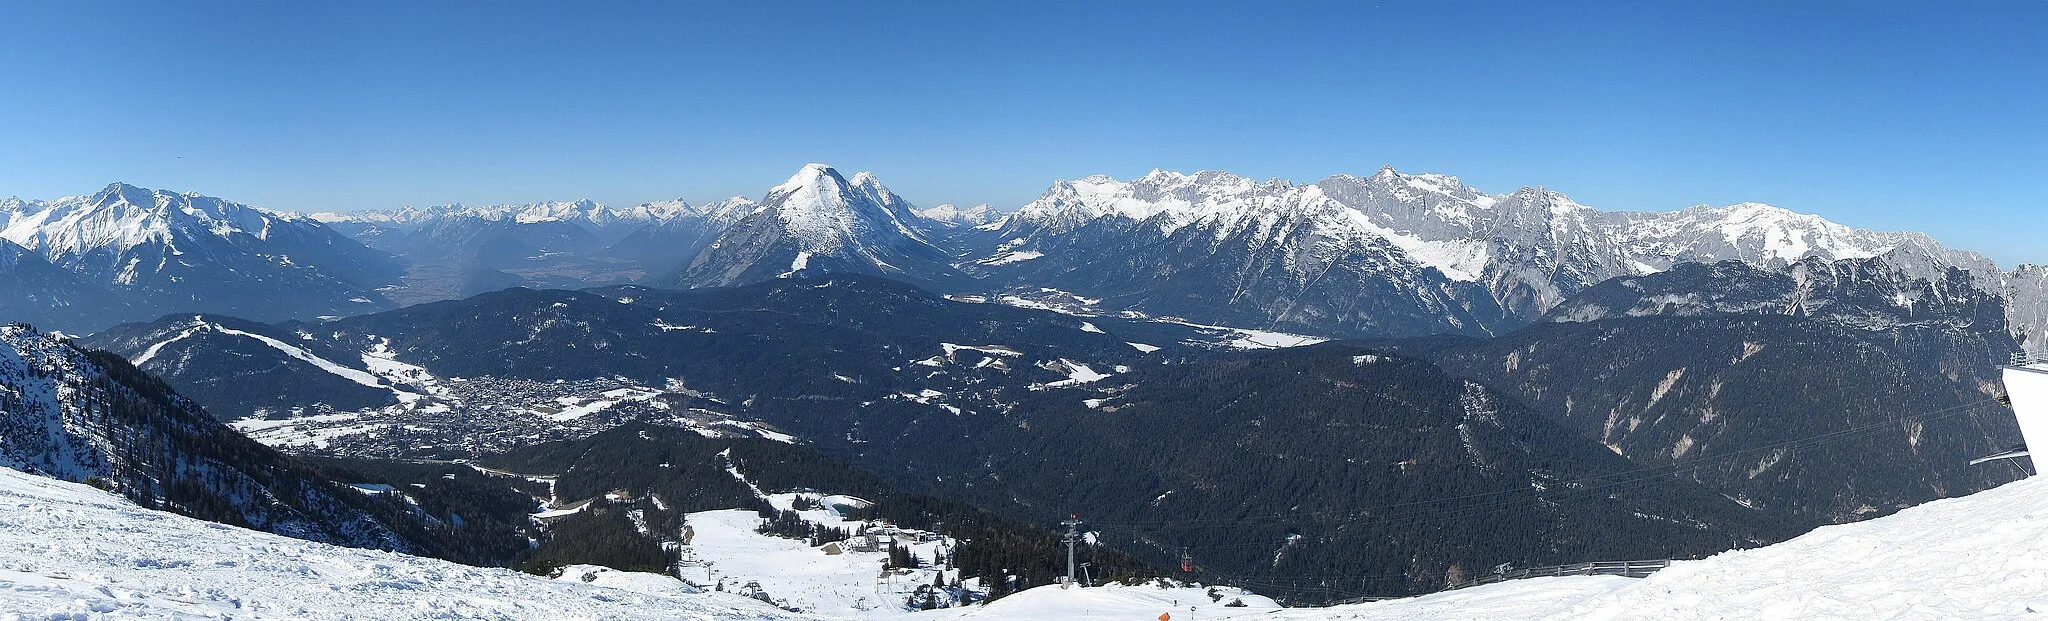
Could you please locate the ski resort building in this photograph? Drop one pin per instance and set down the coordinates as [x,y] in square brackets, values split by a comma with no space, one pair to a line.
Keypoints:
[2026,386]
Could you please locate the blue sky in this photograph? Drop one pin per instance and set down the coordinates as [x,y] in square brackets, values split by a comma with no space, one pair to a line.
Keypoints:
[1922,116]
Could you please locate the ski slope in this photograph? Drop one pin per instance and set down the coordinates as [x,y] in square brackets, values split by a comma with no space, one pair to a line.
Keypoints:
[68,551]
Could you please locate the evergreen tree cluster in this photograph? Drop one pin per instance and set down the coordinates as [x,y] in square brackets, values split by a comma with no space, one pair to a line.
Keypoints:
[609,532]
[1375,474]
[1720,384]
[479,512]
[792,525]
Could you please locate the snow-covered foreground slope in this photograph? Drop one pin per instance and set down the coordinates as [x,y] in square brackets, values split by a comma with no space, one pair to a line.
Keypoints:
[1983,556]
[71,551]
[1116,601]
[800,576]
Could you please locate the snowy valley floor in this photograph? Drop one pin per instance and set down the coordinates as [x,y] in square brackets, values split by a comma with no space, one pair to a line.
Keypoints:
[72,552]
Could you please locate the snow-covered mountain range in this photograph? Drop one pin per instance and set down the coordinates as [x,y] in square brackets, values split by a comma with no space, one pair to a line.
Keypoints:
[1388,254]
[154,252]
[1293,255]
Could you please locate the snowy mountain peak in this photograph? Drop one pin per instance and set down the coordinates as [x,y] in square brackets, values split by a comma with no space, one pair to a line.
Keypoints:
[811,174]
[123,192]
[820,220]
[827,212]
[1162,176]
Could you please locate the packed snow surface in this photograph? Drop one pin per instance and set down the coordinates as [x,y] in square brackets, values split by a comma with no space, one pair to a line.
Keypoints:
[1141,602]
[726,551]
[69,551]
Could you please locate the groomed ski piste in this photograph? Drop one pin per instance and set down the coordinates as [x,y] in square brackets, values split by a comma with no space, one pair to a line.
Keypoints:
[68,551]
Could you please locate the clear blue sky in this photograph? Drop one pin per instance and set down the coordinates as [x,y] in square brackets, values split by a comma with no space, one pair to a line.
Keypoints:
[1926,116]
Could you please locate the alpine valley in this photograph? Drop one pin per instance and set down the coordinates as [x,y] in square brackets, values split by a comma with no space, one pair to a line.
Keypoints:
[1375,385]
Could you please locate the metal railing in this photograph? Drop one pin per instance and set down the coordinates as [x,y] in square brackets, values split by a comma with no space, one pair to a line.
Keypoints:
[1631,569]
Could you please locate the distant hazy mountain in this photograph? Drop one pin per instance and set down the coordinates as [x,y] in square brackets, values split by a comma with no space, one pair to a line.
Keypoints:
[461,250]
[951,215]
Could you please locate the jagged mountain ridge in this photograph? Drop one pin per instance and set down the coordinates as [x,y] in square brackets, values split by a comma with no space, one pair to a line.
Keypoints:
[1527,250]
[165,252]
[1872,294]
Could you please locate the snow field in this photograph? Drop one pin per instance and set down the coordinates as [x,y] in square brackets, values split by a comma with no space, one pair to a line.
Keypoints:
[1138,603]
[727,551]
[68,551]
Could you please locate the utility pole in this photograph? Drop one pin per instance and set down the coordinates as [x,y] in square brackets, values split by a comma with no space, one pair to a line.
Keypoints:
[1073,536]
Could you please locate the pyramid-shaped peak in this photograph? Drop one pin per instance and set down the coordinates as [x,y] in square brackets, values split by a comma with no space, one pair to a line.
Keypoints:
[812,175]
